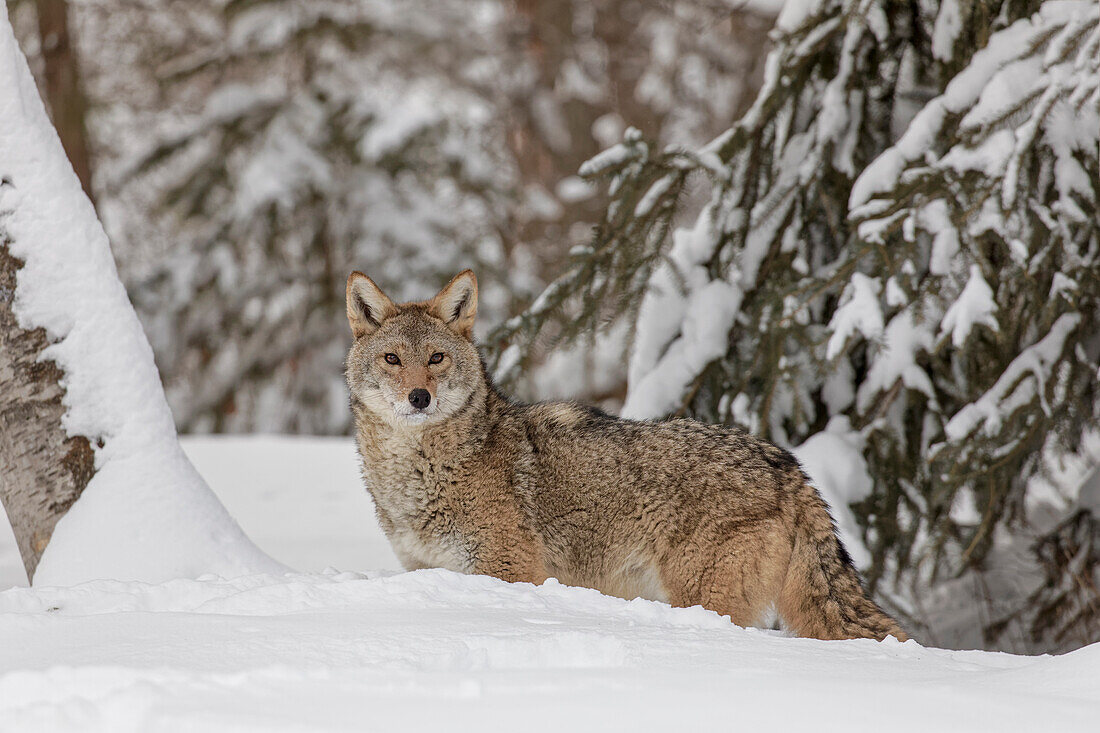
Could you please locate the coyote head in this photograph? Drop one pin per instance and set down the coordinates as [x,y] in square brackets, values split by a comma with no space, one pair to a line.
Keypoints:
[413,363]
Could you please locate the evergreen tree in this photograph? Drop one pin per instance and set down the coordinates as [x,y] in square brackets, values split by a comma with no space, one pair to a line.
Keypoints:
[902,232]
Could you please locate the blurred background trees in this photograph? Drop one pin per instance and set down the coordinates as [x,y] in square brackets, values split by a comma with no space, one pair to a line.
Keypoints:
[877,222]
[248,154]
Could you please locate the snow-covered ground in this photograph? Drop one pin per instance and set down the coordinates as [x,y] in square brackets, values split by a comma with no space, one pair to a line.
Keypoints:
[300,499]
[369,648]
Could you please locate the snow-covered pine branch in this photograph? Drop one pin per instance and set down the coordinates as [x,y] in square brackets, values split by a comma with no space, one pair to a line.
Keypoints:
[984,214]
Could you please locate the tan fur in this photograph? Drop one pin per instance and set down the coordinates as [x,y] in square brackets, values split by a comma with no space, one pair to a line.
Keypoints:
[677,511]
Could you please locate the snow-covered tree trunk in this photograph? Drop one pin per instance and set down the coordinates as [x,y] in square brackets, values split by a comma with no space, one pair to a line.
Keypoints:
[45,469]
[93,477]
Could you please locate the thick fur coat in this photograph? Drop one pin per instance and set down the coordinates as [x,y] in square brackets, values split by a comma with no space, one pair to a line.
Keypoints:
[678,511]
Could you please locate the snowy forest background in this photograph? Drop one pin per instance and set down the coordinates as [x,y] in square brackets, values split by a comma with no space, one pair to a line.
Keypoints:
[866,230]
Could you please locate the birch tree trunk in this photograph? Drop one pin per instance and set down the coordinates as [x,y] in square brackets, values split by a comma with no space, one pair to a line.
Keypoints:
[44,470]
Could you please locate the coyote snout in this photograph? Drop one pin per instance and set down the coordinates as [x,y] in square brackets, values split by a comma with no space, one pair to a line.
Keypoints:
[420,398]
[677,511]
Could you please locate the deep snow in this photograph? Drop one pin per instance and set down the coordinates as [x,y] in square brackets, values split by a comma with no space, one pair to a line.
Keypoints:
[382,650]
[299,498]
[433,649]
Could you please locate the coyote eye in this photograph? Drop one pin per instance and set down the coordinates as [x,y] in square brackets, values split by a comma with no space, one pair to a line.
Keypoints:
[436,358]
[392,359]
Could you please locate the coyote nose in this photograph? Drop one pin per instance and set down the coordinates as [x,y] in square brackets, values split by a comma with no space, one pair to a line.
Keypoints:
[420,398]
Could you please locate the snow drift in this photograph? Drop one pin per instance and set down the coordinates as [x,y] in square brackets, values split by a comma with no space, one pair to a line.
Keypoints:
[432,650]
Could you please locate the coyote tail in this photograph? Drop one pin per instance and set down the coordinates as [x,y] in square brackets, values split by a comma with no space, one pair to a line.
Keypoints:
[822,596]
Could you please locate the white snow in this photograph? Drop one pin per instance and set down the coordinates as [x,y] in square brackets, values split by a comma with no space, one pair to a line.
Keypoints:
[945,239]
[858,312]
[573,189]
[146,511]
[415,111]
[653,194]
[586,368]
[964,508]
[274,174]
[299,498]
[895,294]
[433,650]
[707,320]
[377,650]
[223,638]
[683,333]
[961,92]
[903,339]
[613,157]
[975,306]
[794,14]
[834,460]
[946,30]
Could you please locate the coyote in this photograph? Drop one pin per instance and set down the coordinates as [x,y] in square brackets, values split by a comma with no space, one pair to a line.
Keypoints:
[678,511]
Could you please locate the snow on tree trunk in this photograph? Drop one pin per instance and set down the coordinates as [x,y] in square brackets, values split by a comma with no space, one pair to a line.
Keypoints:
[91,465]
[44,469]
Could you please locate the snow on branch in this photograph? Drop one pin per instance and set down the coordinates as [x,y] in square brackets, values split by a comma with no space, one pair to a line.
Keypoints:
[1024,380]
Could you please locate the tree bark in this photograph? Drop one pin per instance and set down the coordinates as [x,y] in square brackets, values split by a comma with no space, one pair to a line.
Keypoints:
[44,470]
[64,96]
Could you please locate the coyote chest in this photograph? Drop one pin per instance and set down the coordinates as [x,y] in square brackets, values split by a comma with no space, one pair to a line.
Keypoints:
[410,497]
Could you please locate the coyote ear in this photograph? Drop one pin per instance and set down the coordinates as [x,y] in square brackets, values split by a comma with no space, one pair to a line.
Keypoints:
[456,304]
[368,306]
